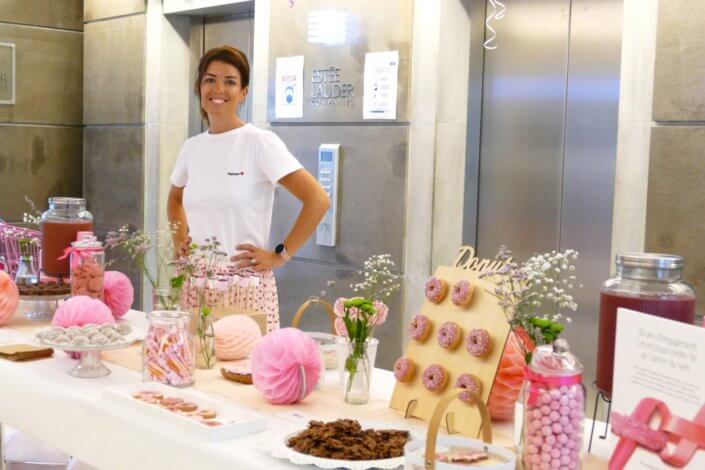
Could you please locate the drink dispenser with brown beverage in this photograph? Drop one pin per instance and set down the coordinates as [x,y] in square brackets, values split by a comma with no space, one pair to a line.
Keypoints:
[646,282]
[65,217]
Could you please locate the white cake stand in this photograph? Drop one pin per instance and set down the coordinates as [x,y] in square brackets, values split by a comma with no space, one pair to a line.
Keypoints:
[90,366]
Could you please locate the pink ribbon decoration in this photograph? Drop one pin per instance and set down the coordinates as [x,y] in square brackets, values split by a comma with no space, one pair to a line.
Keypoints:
[553,381]
[634,431]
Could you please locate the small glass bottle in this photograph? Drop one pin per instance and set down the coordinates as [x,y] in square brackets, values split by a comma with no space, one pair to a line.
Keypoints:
[60,224]
[646,282]
[554,408]
[168,352]
[26,274]
[87,267]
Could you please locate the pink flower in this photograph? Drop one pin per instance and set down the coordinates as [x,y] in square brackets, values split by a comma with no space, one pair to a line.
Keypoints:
[340,328]
[381,315]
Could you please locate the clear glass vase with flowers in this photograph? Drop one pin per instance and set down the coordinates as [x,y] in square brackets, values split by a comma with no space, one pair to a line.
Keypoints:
[152,252]
[200,270]
[357,318]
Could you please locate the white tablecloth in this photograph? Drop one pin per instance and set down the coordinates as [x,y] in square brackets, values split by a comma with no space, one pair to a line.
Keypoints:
[40,399]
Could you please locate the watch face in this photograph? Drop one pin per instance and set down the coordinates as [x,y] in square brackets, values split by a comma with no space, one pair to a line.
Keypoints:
[279,249]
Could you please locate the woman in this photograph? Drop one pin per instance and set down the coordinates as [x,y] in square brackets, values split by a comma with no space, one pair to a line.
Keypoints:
[223,182]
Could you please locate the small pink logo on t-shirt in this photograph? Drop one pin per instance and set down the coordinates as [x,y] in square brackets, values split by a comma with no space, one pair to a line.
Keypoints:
[239,173]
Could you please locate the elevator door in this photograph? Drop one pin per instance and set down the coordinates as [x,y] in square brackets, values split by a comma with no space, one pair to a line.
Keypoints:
[541,157]
[523,114]
[206,33]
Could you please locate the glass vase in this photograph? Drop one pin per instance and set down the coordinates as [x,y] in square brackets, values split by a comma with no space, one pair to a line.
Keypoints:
[165,297]
[205,341]
[356,369]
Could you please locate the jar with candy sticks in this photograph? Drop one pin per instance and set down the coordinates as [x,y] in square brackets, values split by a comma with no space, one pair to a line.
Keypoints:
[554,409]
[168,352]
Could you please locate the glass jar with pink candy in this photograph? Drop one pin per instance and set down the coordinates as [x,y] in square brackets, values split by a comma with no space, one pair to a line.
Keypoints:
[554,408]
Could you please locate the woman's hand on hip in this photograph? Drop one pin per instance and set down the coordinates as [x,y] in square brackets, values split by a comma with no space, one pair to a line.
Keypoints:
[256,258]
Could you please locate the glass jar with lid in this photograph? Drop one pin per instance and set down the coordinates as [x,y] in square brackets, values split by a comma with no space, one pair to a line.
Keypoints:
[646,282]
[87,266]
[60,224]
[554,408]
[168,350]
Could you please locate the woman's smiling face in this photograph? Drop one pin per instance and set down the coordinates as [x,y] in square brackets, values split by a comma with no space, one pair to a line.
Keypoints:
[221,89]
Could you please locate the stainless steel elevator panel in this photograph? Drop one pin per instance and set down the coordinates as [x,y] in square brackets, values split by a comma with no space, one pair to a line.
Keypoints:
[310,29]
[590,159]
[521,144]
[372,188]
[206,33]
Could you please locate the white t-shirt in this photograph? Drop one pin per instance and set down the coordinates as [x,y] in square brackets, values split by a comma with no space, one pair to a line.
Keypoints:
[229,181]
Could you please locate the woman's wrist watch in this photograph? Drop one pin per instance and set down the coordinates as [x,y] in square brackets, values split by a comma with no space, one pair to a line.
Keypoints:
[281,251]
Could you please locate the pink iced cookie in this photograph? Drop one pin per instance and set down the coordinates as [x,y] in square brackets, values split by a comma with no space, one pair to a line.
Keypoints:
[404,369]
[419,327]
[436,289]
[477,342]
[449,335]
[470,382]
[435,378]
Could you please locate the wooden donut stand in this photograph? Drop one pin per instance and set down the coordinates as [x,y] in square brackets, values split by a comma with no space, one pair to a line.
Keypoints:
[483,311]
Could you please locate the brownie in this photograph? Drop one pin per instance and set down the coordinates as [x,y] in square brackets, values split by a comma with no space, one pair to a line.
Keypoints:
[44,288]
[345,439]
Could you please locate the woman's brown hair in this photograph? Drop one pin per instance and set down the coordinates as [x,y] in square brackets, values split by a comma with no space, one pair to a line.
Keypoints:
[229,55]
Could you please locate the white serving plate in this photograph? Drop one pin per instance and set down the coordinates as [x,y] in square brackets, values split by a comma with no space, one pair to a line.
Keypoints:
[237,421]
[279,449]
[414,453]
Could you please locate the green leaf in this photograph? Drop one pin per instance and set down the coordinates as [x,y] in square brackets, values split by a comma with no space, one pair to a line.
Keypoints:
[177,281]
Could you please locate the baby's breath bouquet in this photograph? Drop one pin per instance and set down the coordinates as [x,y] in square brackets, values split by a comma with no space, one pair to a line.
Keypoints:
[153,254]
[536,296]
[358,316]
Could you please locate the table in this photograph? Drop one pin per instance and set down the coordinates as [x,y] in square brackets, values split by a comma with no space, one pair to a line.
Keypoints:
[72,414]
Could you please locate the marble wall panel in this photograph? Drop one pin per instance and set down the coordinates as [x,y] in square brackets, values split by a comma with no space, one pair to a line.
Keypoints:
[113,182]
[101,9]
[679,90]
[114,71]
[49,76]
[65,14]
[676,200]
[37,162]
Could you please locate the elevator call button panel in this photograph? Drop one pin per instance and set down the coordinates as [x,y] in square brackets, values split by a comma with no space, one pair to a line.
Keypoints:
[328,158]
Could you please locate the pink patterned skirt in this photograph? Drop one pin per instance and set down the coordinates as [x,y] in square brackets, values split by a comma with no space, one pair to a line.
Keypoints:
[247,292]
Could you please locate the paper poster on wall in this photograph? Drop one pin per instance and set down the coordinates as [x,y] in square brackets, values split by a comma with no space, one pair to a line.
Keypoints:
[7,73]
[658,398]
[289,87]
[381,81]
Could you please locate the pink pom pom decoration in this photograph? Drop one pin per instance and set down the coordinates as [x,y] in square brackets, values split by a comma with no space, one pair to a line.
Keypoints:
[9,298]
[235,337]
[118,292]
[286,366]
[80,311]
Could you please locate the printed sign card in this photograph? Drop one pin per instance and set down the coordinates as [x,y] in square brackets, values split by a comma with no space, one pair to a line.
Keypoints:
[658,399]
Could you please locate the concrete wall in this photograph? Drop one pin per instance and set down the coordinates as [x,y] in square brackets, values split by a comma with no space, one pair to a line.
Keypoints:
[40,135]
[114,117]
[658,193]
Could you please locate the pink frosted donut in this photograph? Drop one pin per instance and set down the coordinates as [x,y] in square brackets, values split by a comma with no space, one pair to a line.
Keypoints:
[436,289]
[477,342]
[419,327]
[449,335]
[404,369]
[435,378]
[462,293]
[469,382]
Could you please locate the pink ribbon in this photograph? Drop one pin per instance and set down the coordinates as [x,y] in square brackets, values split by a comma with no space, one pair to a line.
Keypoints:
[687,435]
[83,252]
[546,381]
